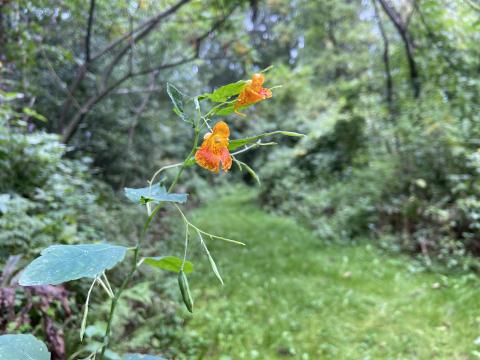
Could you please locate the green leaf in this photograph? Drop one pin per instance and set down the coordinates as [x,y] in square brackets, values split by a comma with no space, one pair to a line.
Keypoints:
[22,347]
[9,96]
[235,144]
[177,99]
[34,114]
[225,92]
[250,171]
[142,357]
[223,111]
[155,193]
[61,263]
[210,259]
[170,263]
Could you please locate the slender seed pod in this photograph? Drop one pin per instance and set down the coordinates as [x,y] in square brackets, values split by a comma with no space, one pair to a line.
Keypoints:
[185,290]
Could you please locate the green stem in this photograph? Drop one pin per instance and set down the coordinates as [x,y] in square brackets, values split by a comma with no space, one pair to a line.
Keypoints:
[118,294]
[194,148]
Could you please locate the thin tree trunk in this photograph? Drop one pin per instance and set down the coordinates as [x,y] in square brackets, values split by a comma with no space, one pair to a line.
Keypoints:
[408,44]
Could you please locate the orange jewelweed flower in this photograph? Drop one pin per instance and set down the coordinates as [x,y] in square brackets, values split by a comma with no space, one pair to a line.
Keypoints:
[252,93]
[214,149]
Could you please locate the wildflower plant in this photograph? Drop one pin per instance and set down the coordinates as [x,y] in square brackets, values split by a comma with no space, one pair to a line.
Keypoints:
[61,263]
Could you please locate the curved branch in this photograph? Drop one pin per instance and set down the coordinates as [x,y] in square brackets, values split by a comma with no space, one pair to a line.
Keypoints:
[408,44]
[77,119]
[143,33]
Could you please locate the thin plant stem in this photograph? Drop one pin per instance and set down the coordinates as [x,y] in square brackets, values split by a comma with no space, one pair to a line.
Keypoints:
[118,294]
[136,249]
[107,282]
[186,247]
[184,165]
[189,224]
[162,169]
[107,290]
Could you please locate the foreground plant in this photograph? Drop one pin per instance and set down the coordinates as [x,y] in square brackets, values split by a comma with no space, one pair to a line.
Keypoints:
[61,263]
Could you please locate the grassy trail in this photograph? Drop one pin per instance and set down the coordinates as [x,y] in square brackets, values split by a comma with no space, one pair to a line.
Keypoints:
[288,295]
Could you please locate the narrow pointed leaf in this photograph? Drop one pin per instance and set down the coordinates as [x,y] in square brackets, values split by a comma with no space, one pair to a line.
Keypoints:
[212,262]
[21,347]
[177,100]
[155,193]
[60,263]
[252,173]
[235,144]
[169,263]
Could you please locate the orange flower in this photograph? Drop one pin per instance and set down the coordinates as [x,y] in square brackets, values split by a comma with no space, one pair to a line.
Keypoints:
[252,93]
[214,149]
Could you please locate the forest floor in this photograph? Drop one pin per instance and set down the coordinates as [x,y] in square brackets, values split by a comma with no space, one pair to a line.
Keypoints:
[287,294]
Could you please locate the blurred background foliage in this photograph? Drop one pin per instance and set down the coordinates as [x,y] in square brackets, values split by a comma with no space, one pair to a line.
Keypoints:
[386,91]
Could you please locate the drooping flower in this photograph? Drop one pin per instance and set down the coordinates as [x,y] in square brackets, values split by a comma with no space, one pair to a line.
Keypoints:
[214,149]
[252,93]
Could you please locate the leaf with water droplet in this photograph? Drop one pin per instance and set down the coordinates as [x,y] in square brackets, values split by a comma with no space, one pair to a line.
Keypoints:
[60,263]
[22,347]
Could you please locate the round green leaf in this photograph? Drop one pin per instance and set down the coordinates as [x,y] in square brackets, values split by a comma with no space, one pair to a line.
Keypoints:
[155,193]
[21,347]
[169,263]
[61,263]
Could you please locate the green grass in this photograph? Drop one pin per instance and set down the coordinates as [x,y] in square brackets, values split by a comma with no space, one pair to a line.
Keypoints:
[287,294]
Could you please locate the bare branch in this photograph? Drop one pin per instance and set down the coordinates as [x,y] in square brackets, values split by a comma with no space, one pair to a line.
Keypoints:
[105,90]
[136,38]
[82,70]
[165,66]
[60,82]
[136,91]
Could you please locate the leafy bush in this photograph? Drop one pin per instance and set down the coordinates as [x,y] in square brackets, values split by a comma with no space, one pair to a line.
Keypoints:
[46,198]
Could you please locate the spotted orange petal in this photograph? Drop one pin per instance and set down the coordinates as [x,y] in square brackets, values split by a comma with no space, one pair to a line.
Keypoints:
[252,92]
[214,149]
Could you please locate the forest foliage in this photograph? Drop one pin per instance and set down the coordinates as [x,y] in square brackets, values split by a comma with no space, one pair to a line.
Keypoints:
[387,93]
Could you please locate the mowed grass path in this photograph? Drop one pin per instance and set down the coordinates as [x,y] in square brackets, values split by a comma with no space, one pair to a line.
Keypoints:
[289,295]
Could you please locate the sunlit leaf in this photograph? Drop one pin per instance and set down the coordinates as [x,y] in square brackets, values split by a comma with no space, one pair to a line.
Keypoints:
[22,347]
[155,193]
[60,263]
[225,110]
[170,263]
[223,93]
[234,144]
[34,114]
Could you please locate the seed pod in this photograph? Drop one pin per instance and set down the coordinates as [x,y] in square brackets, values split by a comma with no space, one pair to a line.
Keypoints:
[185,290]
